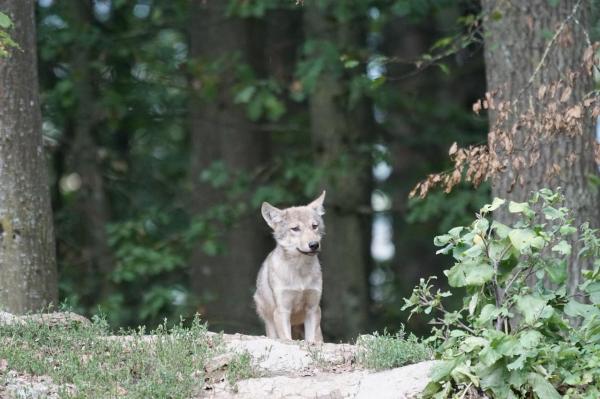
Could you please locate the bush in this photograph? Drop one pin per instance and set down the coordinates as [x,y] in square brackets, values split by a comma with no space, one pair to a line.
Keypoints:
[511,339]
[387,351]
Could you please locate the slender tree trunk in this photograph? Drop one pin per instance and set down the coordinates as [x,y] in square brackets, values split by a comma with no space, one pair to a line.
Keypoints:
[28,278]
[516,45]
[220,131]
[404,39]
[336,132]
[92,204]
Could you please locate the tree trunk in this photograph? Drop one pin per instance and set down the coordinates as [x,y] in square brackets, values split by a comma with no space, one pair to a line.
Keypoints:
[336,134]
[515,46]
[28,278]
[92,205]
[220,131]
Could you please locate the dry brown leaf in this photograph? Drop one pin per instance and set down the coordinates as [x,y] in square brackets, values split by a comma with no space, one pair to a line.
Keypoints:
[574,112]
[566,94]
[541,92]
[453,149]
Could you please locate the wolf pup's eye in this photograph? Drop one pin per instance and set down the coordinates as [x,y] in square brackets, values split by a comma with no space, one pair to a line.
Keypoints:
[295,228]
[314,226]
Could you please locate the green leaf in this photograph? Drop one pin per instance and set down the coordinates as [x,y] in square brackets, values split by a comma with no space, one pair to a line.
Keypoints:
[255,109]
[541,387]
[210,248]
[474,251]
[469,274]
[533,308]
[494,378]
[275,108]
[442,240]
[525,239]
[517,364]
[530,338]
[455,232]
[349,64]
[551,213]
[245,95]
[593,290]
[445,69]
[481,226]
[574,309]
[431,389]
[567,229]
[557,271]
[488,313]
[443,42]
[520,207]
[471,343]
[5,21]
[377,82]
[501,230]
[562,247]
[496,203]
[462,374]
[473,303]
[442,370]
[489,356]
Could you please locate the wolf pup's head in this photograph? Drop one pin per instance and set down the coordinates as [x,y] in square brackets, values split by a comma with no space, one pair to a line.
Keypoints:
[297,229]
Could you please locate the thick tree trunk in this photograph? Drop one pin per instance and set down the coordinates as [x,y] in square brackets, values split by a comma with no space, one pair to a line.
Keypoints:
[28,278]
[336,132]
[220,131]
[515,46]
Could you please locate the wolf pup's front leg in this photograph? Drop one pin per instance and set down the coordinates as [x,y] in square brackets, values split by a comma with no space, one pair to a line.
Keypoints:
[289,283]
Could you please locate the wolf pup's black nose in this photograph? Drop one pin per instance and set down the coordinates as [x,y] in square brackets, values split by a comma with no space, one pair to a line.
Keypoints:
[313,245]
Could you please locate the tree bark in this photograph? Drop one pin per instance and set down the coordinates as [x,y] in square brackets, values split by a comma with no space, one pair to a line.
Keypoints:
[92,205]
[515,46]
[28,277]
[337,133]
[220,131]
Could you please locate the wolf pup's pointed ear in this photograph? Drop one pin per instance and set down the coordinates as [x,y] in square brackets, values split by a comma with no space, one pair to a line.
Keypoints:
[271,214]
[317,204]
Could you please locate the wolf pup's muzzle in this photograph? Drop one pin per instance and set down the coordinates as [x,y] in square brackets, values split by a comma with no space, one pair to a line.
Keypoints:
[314,248]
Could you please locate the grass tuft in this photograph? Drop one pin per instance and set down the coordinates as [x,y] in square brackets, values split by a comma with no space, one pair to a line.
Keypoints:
[241,368]
[168,363]
[388,351]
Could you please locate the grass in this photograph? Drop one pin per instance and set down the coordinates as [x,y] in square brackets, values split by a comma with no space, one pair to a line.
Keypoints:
[240,368]
[387,351]
[167,364]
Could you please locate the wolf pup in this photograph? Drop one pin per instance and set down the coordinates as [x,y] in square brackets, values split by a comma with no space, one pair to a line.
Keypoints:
[289,283]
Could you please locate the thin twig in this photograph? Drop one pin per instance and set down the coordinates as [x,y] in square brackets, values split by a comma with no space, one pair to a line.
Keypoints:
[549,47]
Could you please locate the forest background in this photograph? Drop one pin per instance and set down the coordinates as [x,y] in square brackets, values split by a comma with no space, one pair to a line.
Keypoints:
[168,123]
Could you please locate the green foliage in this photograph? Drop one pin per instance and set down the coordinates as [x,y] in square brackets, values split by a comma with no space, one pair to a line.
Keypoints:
[262,100]
[448,209]
[144,83]
[167,364]
[6,42]
[509,339]
[387,351]
[240,368]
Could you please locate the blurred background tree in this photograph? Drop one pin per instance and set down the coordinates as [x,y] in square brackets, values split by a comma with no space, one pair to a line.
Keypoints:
[171,121]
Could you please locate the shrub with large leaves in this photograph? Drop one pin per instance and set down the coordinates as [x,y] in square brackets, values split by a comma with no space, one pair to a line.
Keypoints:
[511,338]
